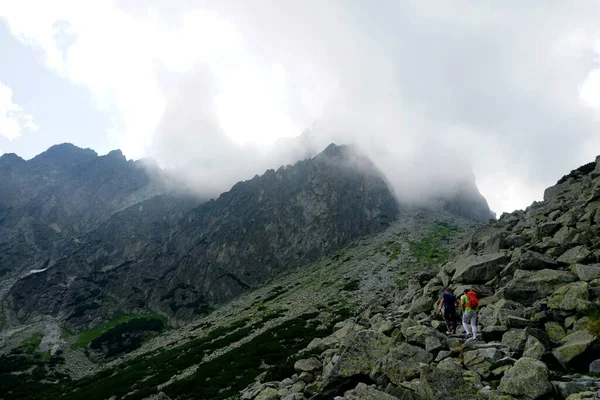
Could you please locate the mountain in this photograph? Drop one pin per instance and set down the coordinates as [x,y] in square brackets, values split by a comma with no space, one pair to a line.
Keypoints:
[156,278]
[61,194]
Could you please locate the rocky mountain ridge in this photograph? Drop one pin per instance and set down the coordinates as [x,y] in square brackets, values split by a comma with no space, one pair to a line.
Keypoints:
[172,256]
[538,273]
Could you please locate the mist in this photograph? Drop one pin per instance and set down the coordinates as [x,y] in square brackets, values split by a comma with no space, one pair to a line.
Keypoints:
[435,93]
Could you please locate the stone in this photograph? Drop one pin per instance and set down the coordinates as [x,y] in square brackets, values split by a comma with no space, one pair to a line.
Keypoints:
[515,340]
[306,377]
[574,255]
[298,387]
[420,334]
[442,355]
[364,392]
[586,272]
[287,382]
[313,388]
[402,363]
[583,396]
[446,381]
[527,287]
[401,392]
[366,350]
[432,344]
[496,314]
[595,367]
[534,348]
[481,361]
[479,268]
[308,365]
[294,396]
[568,297]
[548,228]
[530,260]
[268,394]
[527,378]
[421,304]
[572,346]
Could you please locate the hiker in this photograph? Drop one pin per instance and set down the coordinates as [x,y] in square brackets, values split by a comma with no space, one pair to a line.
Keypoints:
[469,303]
[447,306]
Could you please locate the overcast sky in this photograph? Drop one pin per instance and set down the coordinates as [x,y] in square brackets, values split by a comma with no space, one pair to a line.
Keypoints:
[429,89]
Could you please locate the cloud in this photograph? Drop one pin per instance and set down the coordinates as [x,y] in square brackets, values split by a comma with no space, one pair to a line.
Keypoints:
[430,90]
[13,120]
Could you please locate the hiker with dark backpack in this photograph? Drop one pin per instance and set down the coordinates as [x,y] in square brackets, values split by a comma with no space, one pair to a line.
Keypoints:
[447,306]
[469,304]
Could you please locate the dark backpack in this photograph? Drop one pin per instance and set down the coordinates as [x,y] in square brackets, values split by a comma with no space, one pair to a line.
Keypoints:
[473,302]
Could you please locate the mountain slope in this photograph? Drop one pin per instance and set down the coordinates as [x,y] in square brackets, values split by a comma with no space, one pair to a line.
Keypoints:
[62,193]
[259,228]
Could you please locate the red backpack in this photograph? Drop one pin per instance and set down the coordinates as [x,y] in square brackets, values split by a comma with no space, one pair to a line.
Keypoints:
[473,302]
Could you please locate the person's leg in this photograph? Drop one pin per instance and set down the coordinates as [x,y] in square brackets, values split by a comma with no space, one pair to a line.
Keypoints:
[474,324]
[465,323]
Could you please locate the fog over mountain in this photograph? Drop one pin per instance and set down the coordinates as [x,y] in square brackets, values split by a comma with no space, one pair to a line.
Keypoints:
[428,90]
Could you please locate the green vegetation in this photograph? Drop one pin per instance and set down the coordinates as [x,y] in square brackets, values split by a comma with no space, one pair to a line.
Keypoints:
[32,343]
[89,335]
[395,253]
[127,336]
[430,248]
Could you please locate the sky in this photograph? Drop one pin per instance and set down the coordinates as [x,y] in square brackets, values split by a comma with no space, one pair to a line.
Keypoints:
[433,91]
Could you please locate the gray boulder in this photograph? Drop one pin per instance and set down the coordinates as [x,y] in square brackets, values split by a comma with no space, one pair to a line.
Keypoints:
[366,350]
[569,297]
[586,272]
[574,255]
[527,378]
[595,367]
[534,348]
[481,268]
[446,381]
[555,331]
[515,340]
[307,365]
[527,287]
[402,363]
[572,346]
[482,361]
[531,260]
[364,392]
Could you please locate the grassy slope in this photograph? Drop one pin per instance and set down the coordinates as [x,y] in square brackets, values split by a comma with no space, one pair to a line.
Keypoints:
[263,329]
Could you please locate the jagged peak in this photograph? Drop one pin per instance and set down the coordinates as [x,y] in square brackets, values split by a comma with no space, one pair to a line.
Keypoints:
[64,153]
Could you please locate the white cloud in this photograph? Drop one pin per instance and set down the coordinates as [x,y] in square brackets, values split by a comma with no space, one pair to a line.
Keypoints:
[13,119]
[421,86]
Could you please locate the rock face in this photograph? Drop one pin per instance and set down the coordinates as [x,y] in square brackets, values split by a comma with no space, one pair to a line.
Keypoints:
[280,220]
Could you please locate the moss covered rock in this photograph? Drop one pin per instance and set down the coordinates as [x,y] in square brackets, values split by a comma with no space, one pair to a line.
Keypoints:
[402,363]
[569,297]
[527,378]
[555,331]
[572,346]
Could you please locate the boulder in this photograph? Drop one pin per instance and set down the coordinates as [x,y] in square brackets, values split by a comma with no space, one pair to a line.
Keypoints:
[359,357]
[586,272]
[268,394]
[402,363]
[364,392]
[515,340]
[496,314]
[527,378]
[569,297]
[446,381]
[583,396]
[423,304]
[572,346]
[308,365]
[482,361]
[527,287]
[574,255]
[531,260]
[419,335]
[534,348]
[555,331]
[479,268]
[595,367]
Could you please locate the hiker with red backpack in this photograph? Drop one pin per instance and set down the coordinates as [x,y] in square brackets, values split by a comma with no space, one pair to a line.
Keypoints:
[469,303]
